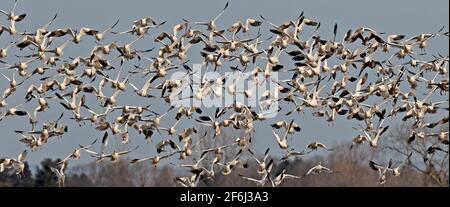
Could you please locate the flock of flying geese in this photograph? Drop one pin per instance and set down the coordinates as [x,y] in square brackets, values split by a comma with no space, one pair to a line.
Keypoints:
[66,82]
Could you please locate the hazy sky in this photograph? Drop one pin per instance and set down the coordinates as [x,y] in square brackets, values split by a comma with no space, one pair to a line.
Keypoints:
[393,17]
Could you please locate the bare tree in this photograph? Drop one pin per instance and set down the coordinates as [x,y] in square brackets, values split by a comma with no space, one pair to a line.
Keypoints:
[433,164]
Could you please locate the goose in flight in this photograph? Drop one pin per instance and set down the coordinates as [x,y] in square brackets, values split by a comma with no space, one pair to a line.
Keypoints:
[261,182]
[12,18]
[230,165]
[264,177]
[126,52]
[186,134]
[313,99]
[212,24]
[76,36]
[31,141]
[143,22]
[114,156]
[18,164]
[116,84]
[293,153]
[396,170]
[60,173]
[359,140]
[195,166]
[38,37]
[318,169]
[143,92]
[284,124]
[141,27]
[161,145]
[261,163]
[238,26]
[76,154]
[4,51]
[21,66]
[316,145]
[442,136]
[59,50]
[243,142]
[214,123]
[104,49]
[99,36]
[6,163]
[279,178]
[373,140]
[433,148]
[154,160]
[13,111]
[190,181]
[382,170]
[282,141]
[218,153]
[12,85]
